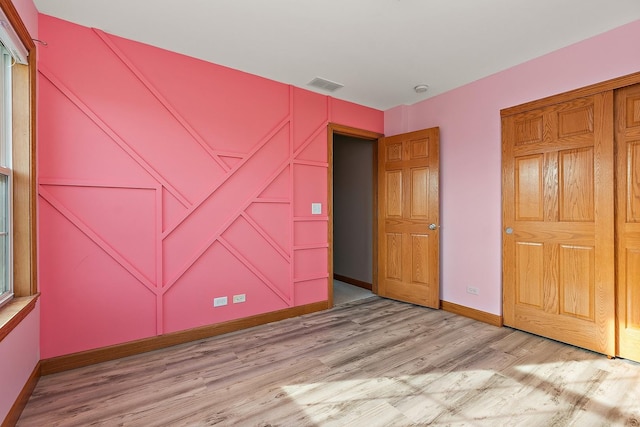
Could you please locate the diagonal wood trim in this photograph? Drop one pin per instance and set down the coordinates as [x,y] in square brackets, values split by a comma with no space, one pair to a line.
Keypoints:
[99,241]
[165,103]
[311,163]
[271,200]
[310,246]
[310,139]
[287,299]
[233,154]
[607,85]
[261,144]
[471,313]
[21,401]
[311,277]
[216,236]
[84,108]
[91,357]
[96,184]
[266,236]
[351,281]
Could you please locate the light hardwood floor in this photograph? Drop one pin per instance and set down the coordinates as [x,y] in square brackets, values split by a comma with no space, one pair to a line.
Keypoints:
[371,362]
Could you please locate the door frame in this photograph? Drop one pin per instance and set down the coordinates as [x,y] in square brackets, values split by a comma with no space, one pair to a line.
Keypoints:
[336,129]
[613,84]
[608,85]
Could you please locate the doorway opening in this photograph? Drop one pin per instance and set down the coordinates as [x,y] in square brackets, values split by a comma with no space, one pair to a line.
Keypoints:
[352,213]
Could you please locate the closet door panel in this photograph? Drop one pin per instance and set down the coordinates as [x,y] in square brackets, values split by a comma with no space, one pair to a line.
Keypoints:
[558,218]
[628,221]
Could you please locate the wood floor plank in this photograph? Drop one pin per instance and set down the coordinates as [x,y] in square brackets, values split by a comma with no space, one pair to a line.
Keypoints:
[372,362]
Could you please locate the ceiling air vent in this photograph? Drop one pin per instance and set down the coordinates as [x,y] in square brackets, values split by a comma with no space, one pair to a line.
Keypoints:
[325,84]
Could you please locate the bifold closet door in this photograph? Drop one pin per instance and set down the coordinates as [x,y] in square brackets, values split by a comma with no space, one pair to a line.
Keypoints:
[558,219]
[628,220]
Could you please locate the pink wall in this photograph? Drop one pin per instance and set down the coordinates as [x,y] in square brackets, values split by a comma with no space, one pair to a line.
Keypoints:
[469,121]
[20,350]
[166,181]
[29,14]
[20,353]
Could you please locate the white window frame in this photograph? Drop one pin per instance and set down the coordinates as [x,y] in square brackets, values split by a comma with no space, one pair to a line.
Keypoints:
[6,132]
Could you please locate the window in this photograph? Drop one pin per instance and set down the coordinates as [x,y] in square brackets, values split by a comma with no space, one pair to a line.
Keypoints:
[12,54]
[18,267]
[6,178]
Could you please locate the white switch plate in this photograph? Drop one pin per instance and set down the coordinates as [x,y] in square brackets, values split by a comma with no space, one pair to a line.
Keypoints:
[316,208]
[220,301]
[239,298]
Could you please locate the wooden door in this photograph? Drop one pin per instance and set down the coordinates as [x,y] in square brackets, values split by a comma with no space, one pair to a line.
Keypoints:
[558,219]
[408,217]
[628,220]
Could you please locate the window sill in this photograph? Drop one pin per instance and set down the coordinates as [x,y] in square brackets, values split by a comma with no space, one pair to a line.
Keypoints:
[14,312]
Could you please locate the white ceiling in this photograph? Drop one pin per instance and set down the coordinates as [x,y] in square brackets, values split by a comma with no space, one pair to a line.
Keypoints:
[379,49]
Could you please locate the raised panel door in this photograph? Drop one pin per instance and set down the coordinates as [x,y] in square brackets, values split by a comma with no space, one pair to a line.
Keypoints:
[628,221]
[558,217]
[408,203]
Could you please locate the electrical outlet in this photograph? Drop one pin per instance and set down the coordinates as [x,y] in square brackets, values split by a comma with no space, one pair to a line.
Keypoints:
[473,291]
[220,301]
[239,298]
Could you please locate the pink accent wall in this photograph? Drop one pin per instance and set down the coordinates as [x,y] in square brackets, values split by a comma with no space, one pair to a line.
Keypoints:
[19,353]
[166,181]
[470,162]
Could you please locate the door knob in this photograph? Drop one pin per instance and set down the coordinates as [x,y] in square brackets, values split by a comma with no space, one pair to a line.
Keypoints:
[432,226]
[509,230]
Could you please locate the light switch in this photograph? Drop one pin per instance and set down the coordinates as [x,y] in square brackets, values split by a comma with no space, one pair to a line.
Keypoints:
[316,208]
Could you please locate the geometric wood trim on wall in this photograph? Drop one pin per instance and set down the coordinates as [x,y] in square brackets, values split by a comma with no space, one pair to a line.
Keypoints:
[235,219]
[160,287]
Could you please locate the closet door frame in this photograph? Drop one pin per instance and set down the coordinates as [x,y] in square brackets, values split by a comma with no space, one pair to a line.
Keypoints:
[609,85]
[612,84]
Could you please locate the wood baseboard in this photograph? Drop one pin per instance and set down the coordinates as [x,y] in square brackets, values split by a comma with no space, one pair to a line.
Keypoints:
[90,357]
[354,282]
[21,401]
[472,313]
